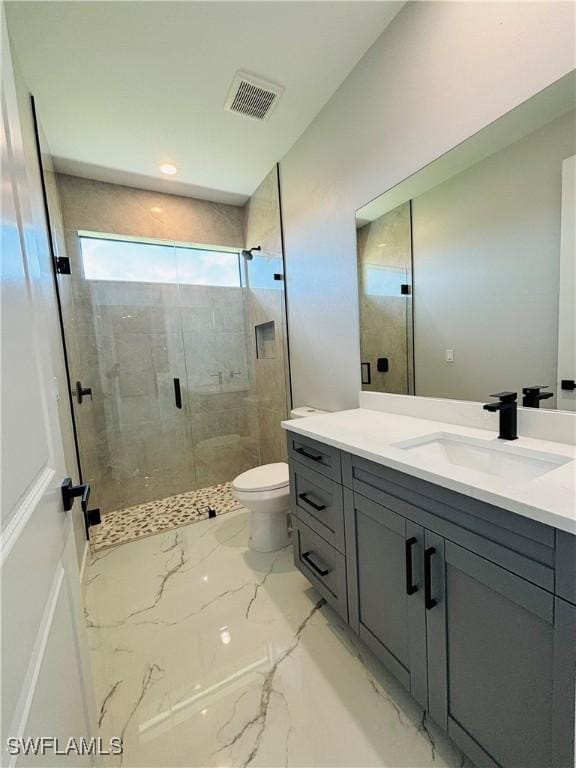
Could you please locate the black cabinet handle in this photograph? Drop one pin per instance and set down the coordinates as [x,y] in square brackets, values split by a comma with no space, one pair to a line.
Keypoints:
[429,601]
[319,570]
[177,393]
[410,587]
[304,452]
[307,500]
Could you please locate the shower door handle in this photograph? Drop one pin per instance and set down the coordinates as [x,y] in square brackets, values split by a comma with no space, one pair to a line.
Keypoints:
[82,392]
[177,393]
[71,491]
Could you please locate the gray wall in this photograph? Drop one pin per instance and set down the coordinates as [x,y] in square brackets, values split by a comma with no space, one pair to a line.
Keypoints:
[440,72]
[486,249]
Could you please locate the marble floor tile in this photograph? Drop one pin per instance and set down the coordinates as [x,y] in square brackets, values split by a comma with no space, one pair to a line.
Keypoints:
[205,653]
[124,525]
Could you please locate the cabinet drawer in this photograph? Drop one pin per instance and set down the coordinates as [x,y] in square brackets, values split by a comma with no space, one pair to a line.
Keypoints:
[317,456]
[317,501]
[322,565]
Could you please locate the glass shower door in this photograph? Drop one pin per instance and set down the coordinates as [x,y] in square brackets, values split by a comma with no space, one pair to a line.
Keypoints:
[134,432]
[217,348]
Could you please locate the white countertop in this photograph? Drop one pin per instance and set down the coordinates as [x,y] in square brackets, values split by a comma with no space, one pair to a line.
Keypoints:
[549,498]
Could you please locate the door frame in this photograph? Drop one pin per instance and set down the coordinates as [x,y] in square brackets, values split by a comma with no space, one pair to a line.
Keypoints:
[45,651]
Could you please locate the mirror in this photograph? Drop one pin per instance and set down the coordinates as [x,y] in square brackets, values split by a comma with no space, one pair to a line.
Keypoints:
[466,269]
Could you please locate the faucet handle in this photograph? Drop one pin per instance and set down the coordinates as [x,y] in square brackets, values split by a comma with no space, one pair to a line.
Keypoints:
[506,397]
[534,389]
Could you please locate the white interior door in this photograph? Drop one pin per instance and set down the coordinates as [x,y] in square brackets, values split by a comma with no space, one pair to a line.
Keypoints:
[566,399]
[45,679]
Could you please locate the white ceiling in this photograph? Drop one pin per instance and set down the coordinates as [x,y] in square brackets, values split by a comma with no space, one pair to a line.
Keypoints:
[124,86]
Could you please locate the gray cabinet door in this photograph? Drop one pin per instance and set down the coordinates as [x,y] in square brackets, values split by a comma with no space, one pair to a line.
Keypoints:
[385,588]
[500,662]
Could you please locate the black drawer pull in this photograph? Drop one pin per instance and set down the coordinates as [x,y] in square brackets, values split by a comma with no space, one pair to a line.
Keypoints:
[320,571]
[306,500]
[410,587]
[304,452]
[429,601]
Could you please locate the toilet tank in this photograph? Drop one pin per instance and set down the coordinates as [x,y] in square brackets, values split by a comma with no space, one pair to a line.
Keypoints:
[304,411]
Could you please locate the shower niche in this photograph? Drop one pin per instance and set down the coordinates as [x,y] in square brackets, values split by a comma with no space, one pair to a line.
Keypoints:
[266,340]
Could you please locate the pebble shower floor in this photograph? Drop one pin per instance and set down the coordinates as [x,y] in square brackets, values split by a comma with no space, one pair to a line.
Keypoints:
[131,523]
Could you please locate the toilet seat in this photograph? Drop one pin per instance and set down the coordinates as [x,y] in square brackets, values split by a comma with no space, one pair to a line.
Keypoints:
[268,477]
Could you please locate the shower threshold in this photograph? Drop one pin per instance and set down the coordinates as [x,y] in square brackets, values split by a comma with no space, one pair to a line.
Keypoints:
[131,523]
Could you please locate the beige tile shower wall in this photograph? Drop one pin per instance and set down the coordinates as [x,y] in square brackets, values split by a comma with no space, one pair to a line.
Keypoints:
[266,304]
[384,261]
[114,209]
[132,339]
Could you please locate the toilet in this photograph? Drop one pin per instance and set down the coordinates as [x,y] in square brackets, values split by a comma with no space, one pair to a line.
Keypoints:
[265,491]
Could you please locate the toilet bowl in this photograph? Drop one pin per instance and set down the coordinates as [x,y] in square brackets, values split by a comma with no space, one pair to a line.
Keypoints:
[265,491]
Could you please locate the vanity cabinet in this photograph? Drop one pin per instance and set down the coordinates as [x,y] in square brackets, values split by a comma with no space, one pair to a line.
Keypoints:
[500,658]
[471,607]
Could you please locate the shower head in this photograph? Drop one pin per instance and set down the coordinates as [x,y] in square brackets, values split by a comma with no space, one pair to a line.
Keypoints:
[248,255]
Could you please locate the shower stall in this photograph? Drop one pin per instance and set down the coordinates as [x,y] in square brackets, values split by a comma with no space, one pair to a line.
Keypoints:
[176,347]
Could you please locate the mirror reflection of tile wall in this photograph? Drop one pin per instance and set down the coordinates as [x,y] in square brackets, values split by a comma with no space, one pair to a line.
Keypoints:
[384,267]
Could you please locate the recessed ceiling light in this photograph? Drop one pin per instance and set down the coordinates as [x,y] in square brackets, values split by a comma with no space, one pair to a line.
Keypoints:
[169,169]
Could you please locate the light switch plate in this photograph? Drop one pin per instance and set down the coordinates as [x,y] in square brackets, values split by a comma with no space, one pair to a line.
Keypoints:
[449,355]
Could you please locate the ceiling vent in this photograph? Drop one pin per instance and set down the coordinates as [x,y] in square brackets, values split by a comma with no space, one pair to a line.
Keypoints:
[253,97]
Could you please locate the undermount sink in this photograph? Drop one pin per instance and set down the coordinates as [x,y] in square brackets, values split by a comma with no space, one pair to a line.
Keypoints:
[497,459]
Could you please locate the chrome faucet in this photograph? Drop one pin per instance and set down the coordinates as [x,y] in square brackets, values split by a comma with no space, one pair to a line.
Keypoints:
[508,408]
